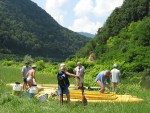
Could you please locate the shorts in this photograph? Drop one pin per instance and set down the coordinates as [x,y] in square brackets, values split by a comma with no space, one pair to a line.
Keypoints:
[29,78]
[81,79]
[65,91]
[103,84]
[25,80]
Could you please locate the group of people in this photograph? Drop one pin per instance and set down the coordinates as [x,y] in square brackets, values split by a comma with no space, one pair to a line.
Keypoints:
[28,76]
[79,71]
[103,79]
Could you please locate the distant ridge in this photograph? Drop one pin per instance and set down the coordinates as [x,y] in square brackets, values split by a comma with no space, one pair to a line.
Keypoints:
[87,34]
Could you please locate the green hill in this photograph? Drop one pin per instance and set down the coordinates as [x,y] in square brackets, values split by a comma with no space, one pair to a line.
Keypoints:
[25,28]
[124,38]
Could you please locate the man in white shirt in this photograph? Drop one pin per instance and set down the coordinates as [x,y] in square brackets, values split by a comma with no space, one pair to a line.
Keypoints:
[116,77]
[79,70]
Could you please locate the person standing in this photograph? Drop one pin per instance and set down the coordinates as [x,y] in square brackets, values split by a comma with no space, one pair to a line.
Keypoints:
[63,83]
[101,78]
[79,70]
[116,77]
[24,72]
[31,76]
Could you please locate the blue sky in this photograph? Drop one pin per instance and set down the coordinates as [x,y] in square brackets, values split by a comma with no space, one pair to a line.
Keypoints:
[80,15]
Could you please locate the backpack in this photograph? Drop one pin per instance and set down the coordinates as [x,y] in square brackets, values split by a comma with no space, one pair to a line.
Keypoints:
[63,79]
[43,97]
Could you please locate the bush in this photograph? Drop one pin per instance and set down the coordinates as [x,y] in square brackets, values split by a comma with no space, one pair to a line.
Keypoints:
[70,66]
[51,69]
[146,72]
[8,63]
[40,65]
[27,58]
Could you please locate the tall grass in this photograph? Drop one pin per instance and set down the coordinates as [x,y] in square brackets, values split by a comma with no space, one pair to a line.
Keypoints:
[14,104]
[8,74]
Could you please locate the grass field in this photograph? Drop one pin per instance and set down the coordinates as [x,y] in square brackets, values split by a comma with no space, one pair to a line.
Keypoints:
[13,104]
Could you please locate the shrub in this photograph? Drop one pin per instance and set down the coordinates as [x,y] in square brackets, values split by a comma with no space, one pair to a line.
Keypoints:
[51,69]
[40,65]
[146,72]
[27,58]
[70,66]
[8,63]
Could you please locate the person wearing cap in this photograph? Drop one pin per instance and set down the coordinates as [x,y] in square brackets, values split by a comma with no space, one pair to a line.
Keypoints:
[101,78]
[24,72]
[63,72]
[31,76]
[79,70]
[116,77]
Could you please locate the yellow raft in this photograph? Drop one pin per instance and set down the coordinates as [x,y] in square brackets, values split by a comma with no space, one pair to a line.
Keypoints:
[92,96]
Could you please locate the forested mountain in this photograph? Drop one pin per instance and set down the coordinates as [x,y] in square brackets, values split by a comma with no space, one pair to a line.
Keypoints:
[25,28]
[125,36]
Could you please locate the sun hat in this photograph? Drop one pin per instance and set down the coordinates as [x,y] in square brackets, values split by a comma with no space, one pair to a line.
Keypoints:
[33,66]
[115,65]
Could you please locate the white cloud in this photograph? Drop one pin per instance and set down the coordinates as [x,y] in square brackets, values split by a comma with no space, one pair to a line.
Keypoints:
[105,7]
[97,9]
[54,8]
[85,25]
[88,14]
[83,7]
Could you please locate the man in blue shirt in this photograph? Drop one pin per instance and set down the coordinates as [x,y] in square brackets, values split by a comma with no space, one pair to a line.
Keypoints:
[24,72]
[101,79]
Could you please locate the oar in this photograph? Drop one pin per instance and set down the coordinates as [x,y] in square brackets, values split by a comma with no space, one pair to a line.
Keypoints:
[62,95]
[84,100]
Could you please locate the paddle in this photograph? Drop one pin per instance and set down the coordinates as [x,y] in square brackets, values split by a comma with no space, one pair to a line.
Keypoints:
[62,95]
[84,100]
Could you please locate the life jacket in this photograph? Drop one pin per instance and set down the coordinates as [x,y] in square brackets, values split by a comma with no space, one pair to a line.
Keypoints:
[63,79]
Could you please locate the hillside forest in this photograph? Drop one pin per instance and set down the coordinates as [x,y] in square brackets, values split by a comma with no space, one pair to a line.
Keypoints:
[25,28]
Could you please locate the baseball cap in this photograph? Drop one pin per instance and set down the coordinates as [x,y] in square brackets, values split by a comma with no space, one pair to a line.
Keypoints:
[115,65]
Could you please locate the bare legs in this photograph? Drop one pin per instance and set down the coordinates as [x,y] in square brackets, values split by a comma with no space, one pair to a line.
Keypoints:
[114,85]
[60,98]
[77,81]
[102,86]
[30,82]
[25,84]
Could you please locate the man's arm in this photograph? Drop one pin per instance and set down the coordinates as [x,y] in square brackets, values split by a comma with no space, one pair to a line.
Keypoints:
[108,80]
[70,74]
[74,70]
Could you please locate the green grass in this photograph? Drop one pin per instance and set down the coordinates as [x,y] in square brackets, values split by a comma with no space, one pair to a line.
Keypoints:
[14,104]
